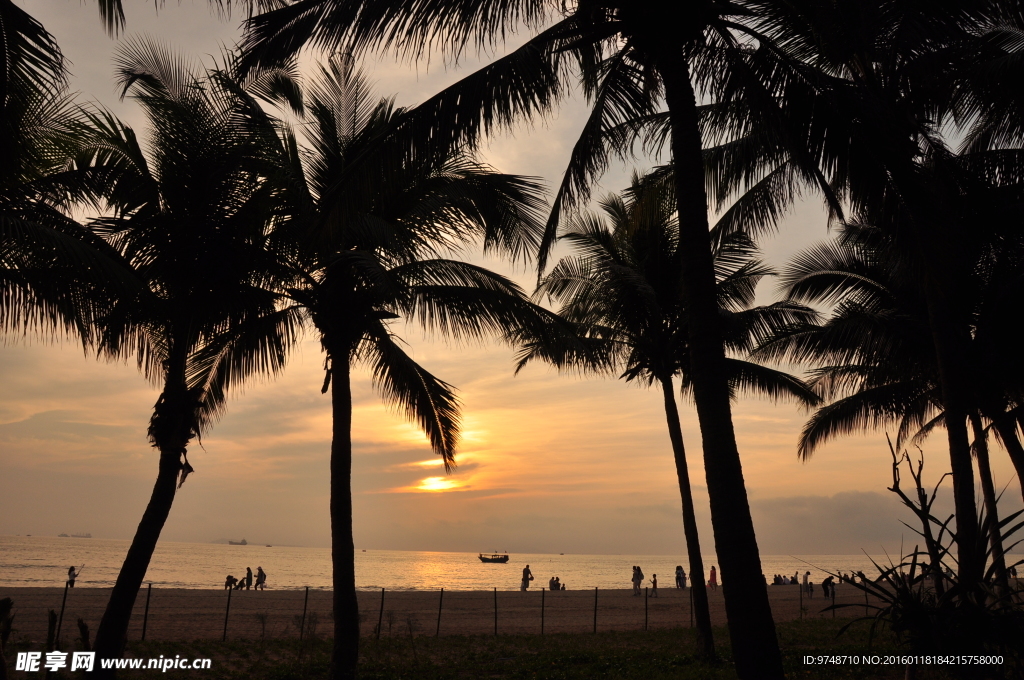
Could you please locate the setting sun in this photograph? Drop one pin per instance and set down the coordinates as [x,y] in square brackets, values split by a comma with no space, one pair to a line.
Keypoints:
[437,484]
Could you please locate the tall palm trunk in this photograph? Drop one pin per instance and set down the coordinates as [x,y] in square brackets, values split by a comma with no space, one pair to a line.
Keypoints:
[751,627]
[1007,429]
[169,428]
[928,241]
[953,385]
[705,636]
[988,491]
[345,656]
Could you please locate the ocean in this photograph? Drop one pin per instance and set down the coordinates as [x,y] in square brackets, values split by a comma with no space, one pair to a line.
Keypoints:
[44,561]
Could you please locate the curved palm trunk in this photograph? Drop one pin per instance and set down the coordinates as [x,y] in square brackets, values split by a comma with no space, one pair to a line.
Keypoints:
[702,614]
[1007,430]
[345,654]
[173,406]
[113,628]
[751,627]
[988,491]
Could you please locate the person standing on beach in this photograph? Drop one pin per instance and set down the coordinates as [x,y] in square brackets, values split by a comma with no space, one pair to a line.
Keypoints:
[807,584]
[638,578]
[261,579]
[248,578]
[527,577]
[654,585]
[713,581]
[680,577]
[72,575]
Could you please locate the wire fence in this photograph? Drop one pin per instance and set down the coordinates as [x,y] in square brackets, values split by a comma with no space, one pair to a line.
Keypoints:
[179,614]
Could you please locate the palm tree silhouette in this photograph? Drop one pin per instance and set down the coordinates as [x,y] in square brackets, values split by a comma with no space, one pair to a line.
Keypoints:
[622,295]
[880,86]
[874,359]
[365,242]
[631,61]
[191,215]
[55,275]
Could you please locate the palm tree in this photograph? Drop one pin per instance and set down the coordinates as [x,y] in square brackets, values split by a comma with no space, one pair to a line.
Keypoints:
[191,214]
[878,87]
[54,274]
[365,243]
[623,296]
[631,61]
[874,359]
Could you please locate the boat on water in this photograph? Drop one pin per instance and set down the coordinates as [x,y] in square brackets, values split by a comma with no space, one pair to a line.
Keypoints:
[493,559]
[242,542]
[63,536]
[81,535]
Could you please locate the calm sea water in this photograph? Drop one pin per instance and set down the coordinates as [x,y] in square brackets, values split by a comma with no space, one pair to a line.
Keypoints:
[43,561]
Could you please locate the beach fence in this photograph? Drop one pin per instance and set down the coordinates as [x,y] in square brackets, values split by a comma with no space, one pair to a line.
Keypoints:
[166,614]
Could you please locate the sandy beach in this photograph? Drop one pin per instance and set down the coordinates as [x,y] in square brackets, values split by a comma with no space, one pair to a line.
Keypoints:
[181,614]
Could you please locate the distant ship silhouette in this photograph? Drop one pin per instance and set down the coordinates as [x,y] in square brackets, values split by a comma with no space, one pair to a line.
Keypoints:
[242,542]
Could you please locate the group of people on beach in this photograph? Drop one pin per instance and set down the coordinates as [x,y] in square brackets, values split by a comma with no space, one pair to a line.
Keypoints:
[781,580]
[828,586]
[681,579]
[638,578]
[554,583]
[245,583]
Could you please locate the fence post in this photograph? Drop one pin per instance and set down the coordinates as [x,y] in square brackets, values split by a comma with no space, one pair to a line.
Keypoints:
[801,602]
[645,607]
[380,617]
[224,637]
[302,624]
[595,609]
[832,587]
[542,592]
[63,602]
[439,604]
[495,612]
[691,606]
[865,603]
[145,614]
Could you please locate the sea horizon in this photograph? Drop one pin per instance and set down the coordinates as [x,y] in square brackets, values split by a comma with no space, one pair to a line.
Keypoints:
[42,561]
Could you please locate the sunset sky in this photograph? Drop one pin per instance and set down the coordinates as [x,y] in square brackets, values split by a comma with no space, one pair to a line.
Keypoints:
[549,463]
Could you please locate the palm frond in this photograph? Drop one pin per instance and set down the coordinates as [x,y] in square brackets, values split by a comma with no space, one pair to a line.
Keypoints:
[428,401]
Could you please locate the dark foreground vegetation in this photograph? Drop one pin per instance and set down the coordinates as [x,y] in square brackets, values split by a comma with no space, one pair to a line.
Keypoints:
[652,655]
